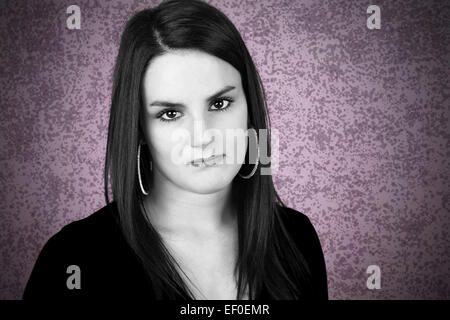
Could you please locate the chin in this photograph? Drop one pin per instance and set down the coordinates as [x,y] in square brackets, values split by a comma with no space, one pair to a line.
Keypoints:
[208,182]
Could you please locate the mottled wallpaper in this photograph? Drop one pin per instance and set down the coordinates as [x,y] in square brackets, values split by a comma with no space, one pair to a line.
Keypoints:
[360,98]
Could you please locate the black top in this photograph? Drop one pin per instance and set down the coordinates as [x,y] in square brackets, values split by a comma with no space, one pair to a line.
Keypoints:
[110,269]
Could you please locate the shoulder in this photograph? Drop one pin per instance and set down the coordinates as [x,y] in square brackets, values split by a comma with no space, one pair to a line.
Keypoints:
[91,243]
[295,221]
[305,236]
[83,234]
[102,218]
[300,228]
[95,232]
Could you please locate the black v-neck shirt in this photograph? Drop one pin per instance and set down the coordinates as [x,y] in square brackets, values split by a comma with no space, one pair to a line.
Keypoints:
[108,267]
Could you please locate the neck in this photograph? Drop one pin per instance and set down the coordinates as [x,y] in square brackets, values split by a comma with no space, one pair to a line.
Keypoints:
[173,210]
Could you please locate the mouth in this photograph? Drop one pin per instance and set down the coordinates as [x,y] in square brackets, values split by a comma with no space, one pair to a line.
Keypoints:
[208,162]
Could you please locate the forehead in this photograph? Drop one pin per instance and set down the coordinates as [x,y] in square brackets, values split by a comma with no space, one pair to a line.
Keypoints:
[183,74]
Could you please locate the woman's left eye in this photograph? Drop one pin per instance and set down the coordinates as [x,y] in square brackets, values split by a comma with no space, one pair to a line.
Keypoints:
[222,104]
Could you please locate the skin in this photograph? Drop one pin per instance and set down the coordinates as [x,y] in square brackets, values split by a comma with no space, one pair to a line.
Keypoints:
[190,207]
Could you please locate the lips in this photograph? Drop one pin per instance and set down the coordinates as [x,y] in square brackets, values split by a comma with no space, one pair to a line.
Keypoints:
[210,161]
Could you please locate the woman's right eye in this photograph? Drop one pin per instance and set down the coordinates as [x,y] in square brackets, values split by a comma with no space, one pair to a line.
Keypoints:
[168,116]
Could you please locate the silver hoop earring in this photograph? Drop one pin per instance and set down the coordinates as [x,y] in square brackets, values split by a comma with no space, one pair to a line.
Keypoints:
[139,169]
[248,176]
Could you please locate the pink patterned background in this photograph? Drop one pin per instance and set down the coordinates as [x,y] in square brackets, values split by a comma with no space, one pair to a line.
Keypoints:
[363,116]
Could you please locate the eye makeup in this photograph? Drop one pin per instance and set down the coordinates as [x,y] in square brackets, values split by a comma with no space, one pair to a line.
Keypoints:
[160,114]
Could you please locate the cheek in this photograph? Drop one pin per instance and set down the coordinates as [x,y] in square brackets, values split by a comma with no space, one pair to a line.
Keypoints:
[168,144]
[162,142]
[233,128]
[236,118]
[240,117]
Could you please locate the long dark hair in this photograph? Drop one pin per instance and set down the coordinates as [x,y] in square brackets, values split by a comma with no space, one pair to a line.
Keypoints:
[262,263]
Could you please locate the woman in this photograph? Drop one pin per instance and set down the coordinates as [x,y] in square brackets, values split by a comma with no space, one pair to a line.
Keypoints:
[190,219]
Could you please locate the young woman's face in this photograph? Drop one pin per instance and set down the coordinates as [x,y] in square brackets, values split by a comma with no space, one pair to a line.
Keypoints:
[194,107]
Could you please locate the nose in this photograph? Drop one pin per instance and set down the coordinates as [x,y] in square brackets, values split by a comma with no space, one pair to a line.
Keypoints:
[200,135]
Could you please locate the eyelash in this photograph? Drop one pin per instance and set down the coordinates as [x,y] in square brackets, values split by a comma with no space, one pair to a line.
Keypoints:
[224,98]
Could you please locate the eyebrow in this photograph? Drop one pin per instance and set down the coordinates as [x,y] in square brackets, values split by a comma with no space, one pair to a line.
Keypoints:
[178,104]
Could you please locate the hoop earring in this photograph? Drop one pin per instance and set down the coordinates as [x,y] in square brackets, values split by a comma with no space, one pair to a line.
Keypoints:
[256,164]
[139,169]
